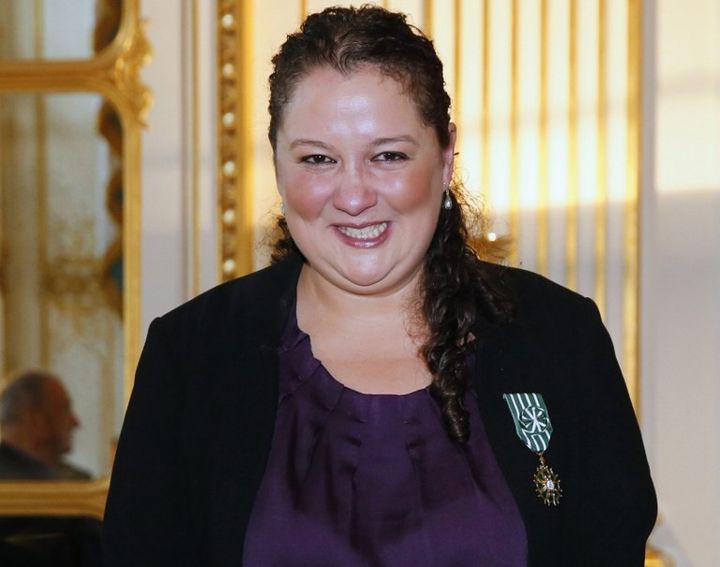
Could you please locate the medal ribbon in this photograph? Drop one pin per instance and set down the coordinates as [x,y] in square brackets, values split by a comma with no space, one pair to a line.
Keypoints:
[532,420]
[533,427]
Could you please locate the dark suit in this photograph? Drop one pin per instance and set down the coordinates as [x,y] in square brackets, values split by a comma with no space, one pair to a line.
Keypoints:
[16,465]
[200,422]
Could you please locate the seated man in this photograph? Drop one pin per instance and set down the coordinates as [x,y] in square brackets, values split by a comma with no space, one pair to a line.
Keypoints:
[36,427]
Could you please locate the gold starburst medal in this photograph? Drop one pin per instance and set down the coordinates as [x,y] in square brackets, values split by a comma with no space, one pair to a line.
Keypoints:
[547,484]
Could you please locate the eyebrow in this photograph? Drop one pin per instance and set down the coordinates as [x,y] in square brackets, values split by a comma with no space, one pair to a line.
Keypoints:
[377,142]
[305,142]
[395,139]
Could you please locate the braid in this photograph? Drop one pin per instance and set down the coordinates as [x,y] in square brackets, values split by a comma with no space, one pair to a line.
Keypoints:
[455,288]
[282,243]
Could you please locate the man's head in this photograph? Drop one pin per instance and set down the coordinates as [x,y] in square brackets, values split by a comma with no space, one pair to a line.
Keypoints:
[36,415]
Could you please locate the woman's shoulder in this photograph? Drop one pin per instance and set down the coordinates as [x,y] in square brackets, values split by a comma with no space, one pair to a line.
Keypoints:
[242,302]
[538,298]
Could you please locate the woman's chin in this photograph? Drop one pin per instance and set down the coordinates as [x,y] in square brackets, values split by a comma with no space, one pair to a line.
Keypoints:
[363,278]
[373,282]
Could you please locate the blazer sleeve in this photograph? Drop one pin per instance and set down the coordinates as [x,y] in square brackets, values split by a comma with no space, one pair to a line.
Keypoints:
[146,523]
[618,507]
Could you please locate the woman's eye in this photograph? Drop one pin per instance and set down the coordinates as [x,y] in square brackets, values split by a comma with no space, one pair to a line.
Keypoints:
[390,156]
[317,159]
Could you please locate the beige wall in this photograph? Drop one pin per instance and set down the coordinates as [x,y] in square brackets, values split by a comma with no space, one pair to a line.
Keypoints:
[681,280]
[169,242]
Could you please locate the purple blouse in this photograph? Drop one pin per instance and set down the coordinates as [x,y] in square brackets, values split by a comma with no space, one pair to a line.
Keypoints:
[373,480]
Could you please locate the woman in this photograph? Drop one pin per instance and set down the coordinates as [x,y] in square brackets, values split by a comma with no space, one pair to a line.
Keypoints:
[378,396]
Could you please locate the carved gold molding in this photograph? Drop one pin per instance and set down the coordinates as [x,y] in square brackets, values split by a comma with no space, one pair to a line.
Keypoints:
[115,74]
[124,73]
[50,498]
[234,174]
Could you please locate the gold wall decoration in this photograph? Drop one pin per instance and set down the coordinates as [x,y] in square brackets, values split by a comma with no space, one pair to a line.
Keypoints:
[72,282]
[114,73]
[234,138]
[68,498]
[109,125]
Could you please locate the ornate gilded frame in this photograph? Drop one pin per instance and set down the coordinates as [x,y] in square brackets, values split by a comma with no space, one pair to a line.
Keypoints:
[115,74]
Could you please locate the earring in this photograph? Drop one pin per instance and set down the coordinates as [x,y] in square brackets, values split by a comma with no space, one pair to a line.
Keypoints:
[282,208]
[447,201]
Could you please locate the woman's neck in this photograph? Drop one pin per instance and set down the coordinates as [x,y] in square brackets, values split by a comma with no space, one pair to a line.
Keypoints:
[322,297]
[370,343]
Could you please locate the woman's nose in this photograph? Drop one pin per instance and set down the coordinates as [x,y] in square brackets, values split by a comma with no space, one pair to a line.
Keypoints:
[354,193]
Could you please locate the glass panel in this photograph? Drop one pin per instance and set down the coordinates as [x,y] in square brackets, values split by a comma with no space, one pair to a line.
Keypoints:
[61,263]
[48,29]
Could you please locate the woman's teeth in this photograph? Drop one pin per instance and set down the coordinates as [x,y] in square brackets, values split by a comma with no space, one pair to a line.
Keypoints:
[365,233]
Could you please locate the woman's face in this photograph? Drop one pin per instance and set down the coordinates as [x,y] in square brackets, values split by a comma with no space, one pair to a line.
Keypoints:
[361,177]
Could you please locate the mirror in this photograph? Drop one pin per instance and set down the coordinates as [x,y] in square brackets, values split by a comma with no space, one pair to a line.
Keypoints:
[70,224]
[61,245]
[52,30]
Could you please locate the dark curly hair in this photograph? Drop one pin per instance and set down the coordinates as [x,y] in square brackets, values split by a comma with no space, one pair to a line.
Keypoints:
[455,287]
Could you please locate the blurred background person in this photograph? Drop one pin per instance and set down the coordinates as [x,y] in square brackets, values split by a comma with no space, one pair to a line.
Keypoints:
[36,429]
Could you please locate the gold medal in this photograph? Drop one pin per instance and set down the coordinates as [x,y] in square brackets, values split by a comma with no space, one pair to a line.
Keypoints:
[547,484]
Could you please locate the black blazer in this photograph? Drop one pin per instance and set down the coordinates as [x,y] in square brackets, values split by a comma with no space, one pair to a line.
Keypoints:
[200,421]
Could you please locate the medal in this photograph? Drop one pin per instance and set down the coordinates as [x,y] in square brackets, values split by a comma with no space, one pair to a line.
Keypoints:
[547,484]
[533,427]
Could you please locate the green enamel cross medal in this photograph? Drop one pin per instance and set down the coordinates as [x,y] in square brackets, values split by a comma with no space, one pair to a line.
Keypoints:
[533,427]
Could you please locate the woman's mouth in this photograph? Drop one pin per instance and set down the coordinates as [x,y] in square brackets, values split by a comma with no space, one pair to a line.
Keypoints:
[366,236]
[364,233]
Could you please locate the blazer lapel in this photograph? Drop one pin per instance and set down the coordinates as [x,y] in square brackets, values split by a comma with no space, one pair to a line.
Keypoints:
[503,366]
[247,403]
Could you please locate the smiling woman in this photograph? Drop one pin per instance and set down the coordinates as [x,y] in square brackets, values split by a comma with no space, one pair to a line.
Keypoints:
[363,401]
[361,178]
